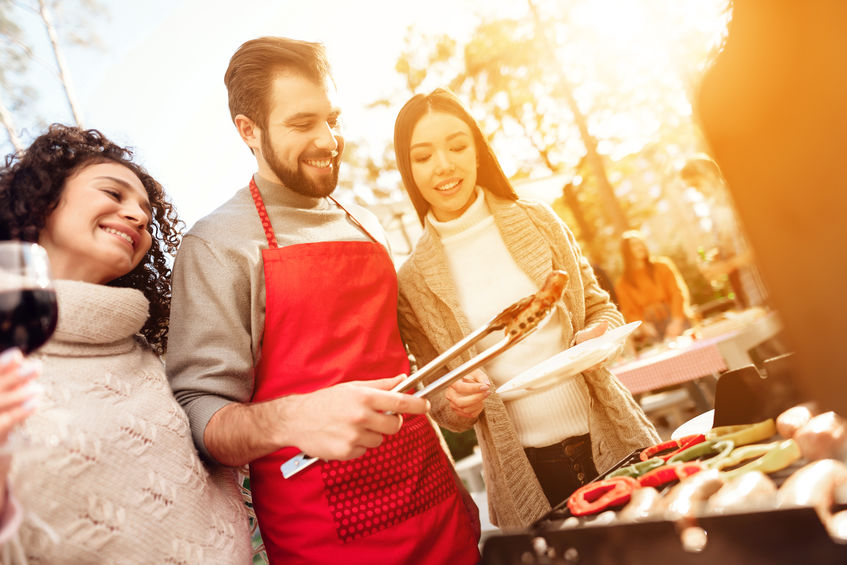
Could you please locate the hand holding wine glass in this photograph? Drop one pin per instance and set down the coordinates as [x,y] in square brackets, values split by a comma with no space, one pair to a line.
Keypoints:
[28,316]
[28,309]
[18,390]
[18,399]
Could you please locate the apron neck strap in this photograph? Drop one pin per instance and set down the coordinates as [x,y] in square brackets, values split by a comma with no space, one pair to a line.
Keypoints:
[263,214]
[266,222]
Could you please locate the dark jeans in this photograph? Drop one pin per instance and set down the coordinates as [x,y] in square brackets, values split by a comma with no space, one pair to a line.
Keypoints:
[563,467]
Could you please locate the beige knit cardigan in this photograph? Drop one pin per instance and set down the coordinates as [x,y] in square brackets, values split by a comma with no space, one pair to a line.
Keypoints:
[113,475]
[431,321]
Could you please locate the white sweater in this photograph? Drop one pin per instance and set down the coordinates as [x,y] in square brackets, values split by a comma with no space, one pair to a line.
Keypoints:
[113,472]
[487,280]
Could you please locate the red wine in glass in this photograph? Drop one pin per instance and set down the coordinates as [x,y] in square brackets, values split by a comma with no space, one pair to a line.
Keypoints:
[27,318]
[28,309]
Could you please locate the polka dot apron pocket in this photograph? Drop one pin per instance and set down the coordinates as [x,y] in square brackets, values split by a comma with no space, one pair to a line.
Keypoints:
[383,488]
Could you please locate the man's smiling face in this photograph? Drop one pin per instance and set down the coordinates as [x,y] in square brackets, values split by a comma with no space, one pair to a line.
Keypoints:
[300,144]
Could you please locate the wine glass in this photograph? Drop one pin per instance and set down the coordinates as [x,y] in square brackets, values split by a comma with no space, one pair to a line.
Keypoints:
[28,308]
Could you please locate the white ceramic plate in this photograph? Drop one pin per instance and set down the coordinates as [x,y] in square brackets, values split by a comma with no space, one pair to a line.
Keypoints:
[697,425]
[568,363]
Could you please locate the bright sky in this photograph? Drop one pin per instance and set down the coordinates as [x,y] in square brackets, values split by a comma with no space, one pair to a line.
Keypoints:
[157,82]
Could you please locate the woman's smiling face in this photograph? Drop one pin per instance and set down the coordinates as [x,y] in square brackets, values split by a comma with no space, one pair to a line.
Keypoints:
[99,229]
[444,161]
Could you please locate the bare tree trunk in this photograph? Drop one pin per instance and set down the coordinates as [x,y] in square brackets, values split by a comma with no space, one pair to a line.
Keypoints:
[64,74]
[585,229]
[595,161]
[9,124]
[611,206]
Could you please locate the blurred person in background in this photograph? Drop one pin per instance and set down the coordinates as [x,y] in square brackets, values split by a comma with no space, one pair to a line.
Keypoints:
[651,290]
[483,249]
[731,259]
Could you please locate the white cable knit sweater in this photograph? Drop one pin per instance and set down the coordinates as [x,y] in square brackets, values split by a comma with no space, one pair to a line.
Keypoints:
[113,471]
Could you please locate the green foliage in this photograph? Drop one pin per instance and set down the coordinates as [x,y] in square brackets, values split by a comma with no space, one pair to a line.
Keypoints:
[15,55]
[700,290]
[24,27]
[260,557]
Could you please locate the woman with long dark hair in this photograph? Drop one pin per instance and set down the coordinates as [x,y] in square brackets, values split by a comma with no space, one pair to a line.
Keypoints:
[482,249]
[651,290]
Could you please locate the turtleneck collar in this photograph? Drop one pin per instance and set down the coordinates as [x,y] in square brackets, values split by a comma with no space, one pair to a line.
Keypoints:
[96,315]
[274,194]
[476,213]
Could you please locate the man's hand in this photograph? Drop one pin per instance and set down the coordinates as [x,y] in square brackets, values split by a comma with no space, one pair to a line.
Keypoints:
[466,396]
[338,422]
[342,421]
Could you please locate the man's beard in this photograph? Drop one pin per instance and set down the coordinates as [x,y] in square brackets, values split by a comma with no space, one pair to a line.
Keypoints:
[296,180]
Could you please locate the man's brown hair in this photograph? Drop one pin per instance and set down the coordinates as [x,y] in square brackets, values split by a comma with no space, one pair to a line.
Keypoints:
[254,65]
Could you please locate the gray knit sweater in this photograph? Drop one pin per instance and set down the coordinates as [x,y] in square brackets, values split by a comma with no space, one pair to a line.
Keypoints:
[218,307]
[432,321]
[113,476]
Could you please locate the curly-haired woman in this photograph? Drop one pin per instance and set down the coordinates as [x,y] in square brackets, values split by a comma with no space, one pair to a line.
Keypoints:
[111,473]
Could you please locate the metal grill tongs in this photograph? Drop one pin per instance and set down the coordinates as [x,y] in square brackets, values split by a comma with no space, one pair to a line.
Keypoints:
[519,320]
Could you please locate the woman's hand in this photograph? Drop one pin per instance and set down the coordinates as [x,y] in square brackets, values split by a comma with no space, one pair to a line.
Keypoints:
[591,332]
[466,396]
[588,333]
[18,390]
[18,395]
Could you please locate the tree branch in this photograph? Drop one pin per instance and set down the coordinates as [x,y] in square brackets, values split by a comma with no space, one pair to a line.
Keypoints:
[64,73]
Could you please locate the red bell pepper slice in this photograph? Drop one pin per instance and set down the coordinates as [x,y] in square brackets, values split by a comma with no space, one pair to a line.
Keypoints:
[600,495]
[667,473]
[676,444]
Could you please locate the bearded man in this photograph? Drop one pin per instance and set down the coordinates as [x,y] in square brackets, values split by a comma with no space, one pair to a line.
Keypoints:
[284,338]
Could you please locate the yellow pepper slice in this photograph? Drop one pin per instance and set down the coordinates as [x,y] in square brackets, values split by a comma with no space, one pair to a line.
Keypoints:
[744,434]
[741,454]
[779,457]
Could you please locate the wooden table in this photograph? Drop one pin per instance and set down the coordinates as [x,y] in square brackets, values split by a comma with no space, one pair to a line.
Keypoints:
[684,361]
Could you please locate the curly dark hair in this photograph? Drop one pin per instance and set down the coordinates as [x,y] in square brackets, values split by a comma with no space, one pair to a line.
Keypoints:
[31,185]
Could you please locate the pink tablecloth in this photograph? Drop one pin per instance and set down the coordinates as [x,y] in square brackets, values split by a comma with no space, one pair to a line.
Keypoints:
[699,359]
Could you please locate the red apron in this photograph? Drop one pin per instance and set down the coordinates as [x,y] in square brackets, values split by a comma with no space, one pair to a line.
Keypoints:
[331,317]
